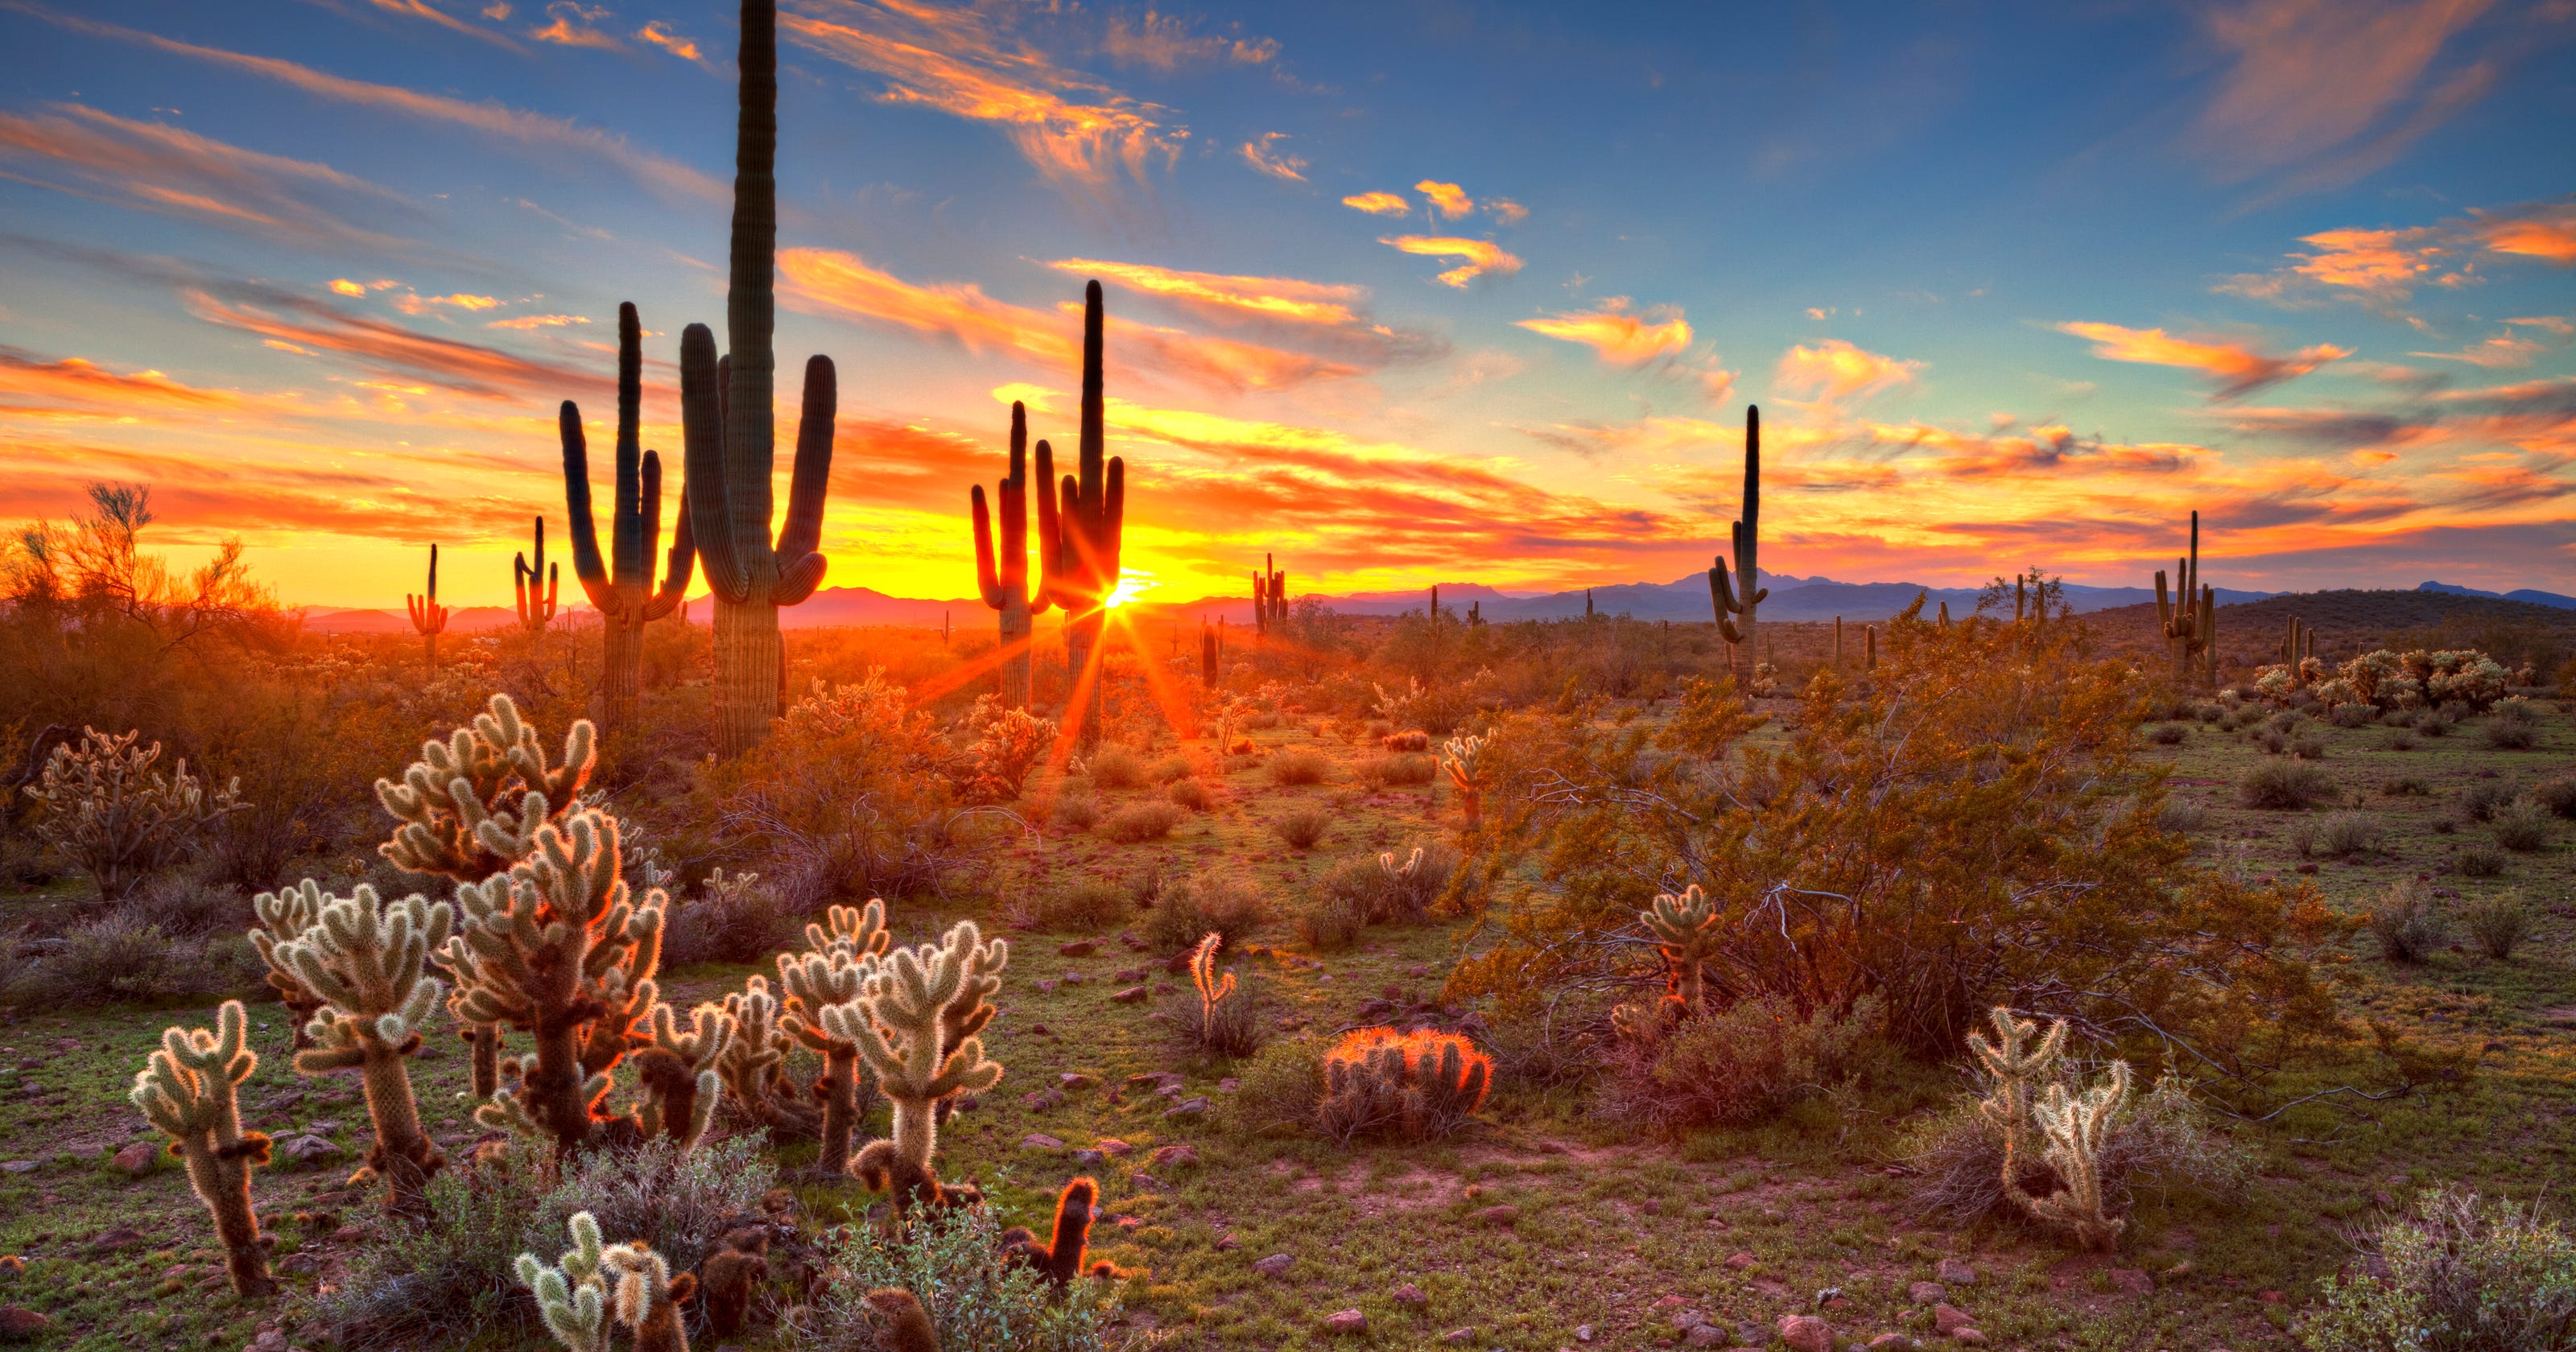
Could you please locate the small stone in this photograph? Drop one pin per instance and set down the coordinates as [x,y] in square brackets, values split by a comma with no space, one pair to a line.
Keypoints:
[349,1234]
[324,1127]
[137,1157]
[1145,1182]
[1459,1336]
[1969,1338]
[1583,1333]
[1042,1100]
[1228,1085]
[1502,1217]
[271,1339]
[1191,1107]
[1112,1146]
[311,1149]
[121,1237]
[1165,988]
[18,1167]
[1740,1262]
[1089,1159]
[1927,1293]
[1227,1243]
[1276,1265]
[1046,985]
[1072,1081]
[1409,1294]
[1346,1321]
[2272,1298]
[1756,1335]
[1704,1335]
[1949,1319]
[1806,1333]
[1955,1272]
[299,1264]
[1039,1140]
[1890,1340]
[17,1321]
[1078,948]
[1131,995]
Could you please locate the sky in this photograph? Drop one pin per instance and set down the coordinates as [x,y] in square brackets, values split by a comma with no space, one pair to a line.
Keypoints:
[1397,292]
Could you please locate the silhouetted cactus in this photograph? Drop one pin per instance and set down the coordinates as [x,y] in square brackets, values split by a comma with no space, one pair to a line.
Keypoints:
[1269,596]
[187,1090]
[916,1027]
[2189,617]
[1744,594]
[620,587]
[533,585]
[1080,527]
[1003,577]
[832,974]
[428,617]
[726,421]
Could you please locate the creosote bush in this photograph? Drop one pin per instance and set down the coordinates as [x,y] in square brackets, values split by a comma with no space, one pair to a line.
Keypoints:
[2498,922]
[1289,769]
[2407,921]
[1116,767]
[1744,1063]
[1302,825]
[1084,905]
[2284,786]
[2478,802]
[2337,835]
[2521,826]
[2558,795]
[1188,793]
[1139,822]
[2457,1273]
[1076,813]
[2478,859]
[1278,1089]
[1215,898]
[1329,924]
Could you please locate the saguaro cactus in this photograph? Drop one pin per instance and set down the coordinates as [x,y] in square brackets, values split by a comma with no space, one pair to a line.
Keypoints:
[428,617]
[1207,656]
[1745,594]
[917,999]
[187,1090]
[1081,526]
[367,964]
[726,422]
[1269,596]
[621,586]
[1004,577]
[532,585]
[2190,617]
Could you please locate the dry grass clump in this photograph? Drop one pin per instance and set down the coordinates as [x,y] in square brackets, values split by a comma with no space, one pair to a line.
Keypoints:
[1137,823]
[1302,825]
[1382,771]
[2521,826]
[1743,1063]
[1116,767]
[2283,786]
[2498,923]
[2478,859]
[2558,795]
[1171,769]
[1090,904]
[1216,898]
[1189,793]
[1076,812]
[1290,769]
[2406,921]
[2455,1272]
[1328,924]
[2163,1142]
[2337,835]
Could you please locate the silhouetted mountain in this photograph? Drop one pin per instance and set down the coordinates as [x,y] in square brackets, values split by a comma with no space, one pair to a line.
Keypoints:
[2535,597]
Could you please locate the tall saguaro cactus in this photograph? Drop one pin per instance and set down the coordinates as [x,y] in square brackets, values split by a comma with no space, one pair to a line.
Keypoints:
[727,424]
[2190,617]
[1082,522]
[1745,594]
[1269,596]
[428,617]
[1003,578]
[621,587]
[532,585]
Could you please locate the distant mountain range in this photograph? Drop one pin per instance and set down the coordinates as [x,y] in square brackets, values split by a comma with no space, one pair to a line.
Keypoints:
[2538,598]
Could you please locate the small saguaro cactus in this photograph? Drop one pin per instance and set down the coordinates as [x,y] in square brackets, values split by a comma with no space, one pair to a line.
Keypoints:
[1002,576]
[572,1294]
[1744,594]
[2077,1127]
[1269,596]
[533,585]
[914,997]
[187,1090]
[681,1084]
[753,1064]
[428,617]
[833,974]
[1686,932]
[366,962]
[1464,759]
[2189,617]
[621,587]
[2016,1064]
[1207,657]
[1081,523]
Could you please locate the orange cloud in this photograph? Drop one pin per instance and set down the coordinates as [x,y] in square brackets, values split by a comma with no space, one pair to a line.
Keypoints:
[1482,256]
[2547,233]
[416,9]
[523,323]
[2333,88]
[1448,199]
[1505,211]
[571,27]
[658,33]
[1834,369]
[446,363]
[1265,156]
[2499,351]
[1378,203]
[1622,334]
[2237,367]
[1166,44]
[28,384]
[1284,298]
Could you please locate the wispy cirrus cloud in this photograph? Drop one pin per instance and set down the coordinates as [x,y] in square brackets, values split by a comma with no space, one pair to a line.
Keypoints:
[1478,257]
[29,383]
[453,365]
[2236,367]
[420,9]
[1165,43]
[572,24]
[1265,156]
[1330,316]
[659,33]
[2383,266]
[1833,370]
[1379,203]
[1621,333]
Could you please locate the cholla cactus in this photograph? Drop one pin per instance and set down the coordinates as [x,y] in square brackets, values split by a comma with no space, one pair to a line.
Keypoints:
[647,1298]
[2016,1064]
[283,916]
[753,1064]
[1685,928]
[558,947]
[1421,1085]
[572,1295]
[365,962]
[471,806]
[1464,759]
[843,953]
[1223,1020]
[2077,1127]
[187,1090]
[914,1000]
[681,1084]
[1213,986]
[115,816]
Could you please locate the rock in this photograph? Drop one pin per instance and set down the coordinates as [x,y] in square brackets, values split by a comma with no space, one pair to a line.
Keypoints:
[1190,1107]
[1276,1265]
[1806,1333]
[1949,1319]
[1756,1335]
[1459,1336]
[1089,1159]
[137,1157]
[1227,1243]
[1927,1293]
[1228,1085]
[2132,1282]
[1174,1157]
[1073,978]
[323,1127]
[1112,1146]
[1704,1335]
[2272,1298]
[17,1321]
[349,1234]
[18,1167]
[1346,1321]
[299,1264]
[1890,1340]
[1583,1333]
[120,1238]
[1409,1294]
[1078,948]
[1955,1272]
[311,1149]
[1145,1182]
[1969,1338]
[1073,1081]
[1043,1100]
[1039,1140]
[1131,995]
[1740,1262]
[1501,1217]
[1046,986]
[271,1339]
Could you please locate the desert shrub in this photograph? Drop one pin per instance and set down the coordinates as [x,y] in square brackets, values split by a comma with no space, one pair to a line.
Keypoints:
[2182,815]
[2208,713]
[1088,904]
[2558,795]
[2406,921]
[1139,822]
[2164,1142]
[2406,786]
[1010,744]
[2400,739]
[1291,768]
[2455,1274]
[2337,835]
[117,957]
[187,906]
[2436,723]
[1116,767]
[734,918]
[110,812]
[1076,812]
[1170,770]
[951,1259]
[1214,898]
[2504,735]
[1389,885]
[2283,786]
[2515,710]
[1329,923]
[1188,793]
[2497,922]
[1229,1025]
[2521,826]
[2479,802]
[1278,1089]
[2272,740]
[2309,746]
[2478,859]
[2352,715]
[2168,734]
[1741,1064]
[1381,771]
[1302,825]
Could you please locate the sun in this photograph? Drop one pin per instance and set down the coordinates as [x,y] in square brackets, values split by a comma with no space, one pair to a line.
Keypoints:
[1127,590]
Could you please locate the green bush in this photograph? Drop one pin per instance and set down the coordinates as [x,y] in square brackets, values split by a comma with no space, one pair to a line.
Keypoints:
[1139,822]
[2457,1274]
[2406,921]
[2309,746]
[2479,802]
[1291,768]
[2499,922]
[1302,825]
[2168,734]
[2479,859]
[2521,826]
[2284,786]
[1214,898]
[1744,1063]
[2337,835]
[2182,816]
[2510,735]
[1328,924]
[1278,1089]
[951,1260]
[1116,767]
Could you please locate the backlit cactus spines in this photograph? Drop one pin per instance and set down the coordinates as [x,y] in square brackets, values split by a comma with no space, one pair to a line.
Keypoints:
[117,817]
[646,1298]
[428,617]
[1213,986]
[471,806]
[282,916]
[859,931]
[187,1090]
[727,425]
[913,997]
[572,1295]
[1421,1084]
[1685,930]
[1003,577]
[1464,759]
[621,587]
[532,585]
[753,1064]
[2017,1064]
[816,984]
[681,1084]
[1743,594]
[1081,523]
[368,964]
[2077,1127]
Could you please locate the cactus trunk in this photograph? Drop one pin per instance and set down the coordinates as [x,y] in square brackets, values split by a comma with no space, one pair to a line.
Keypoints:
[620,586]
[839,1090]
[224,1182]
[1019,630]
[1002,573]
[1081,523]
[484,1042]
[750,671]
[403,1156]
[1744,594]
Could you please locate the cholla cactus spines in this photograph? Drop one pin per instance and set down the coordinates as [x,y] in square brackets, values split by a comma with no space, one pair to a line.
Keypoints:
[1685,929]
[1464,759]
[681,1083]
[646,1298]
[753,1064]
[282,916]
[472,805]
[187,1090]
[1399,874]
[858,931]
[533,585]
[558,947]
[115,815]
[428,617]
[368,962]
[2077,1126]
[2016,1063]
[572,1294]
[1213,986]
[1002,576]
[1743,595]
[817,984]
[621,586]
[899,1021]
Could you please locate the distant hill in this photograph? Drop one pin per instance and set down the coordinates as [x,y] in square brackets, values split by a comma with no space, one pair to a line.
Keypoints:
[2537,598]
